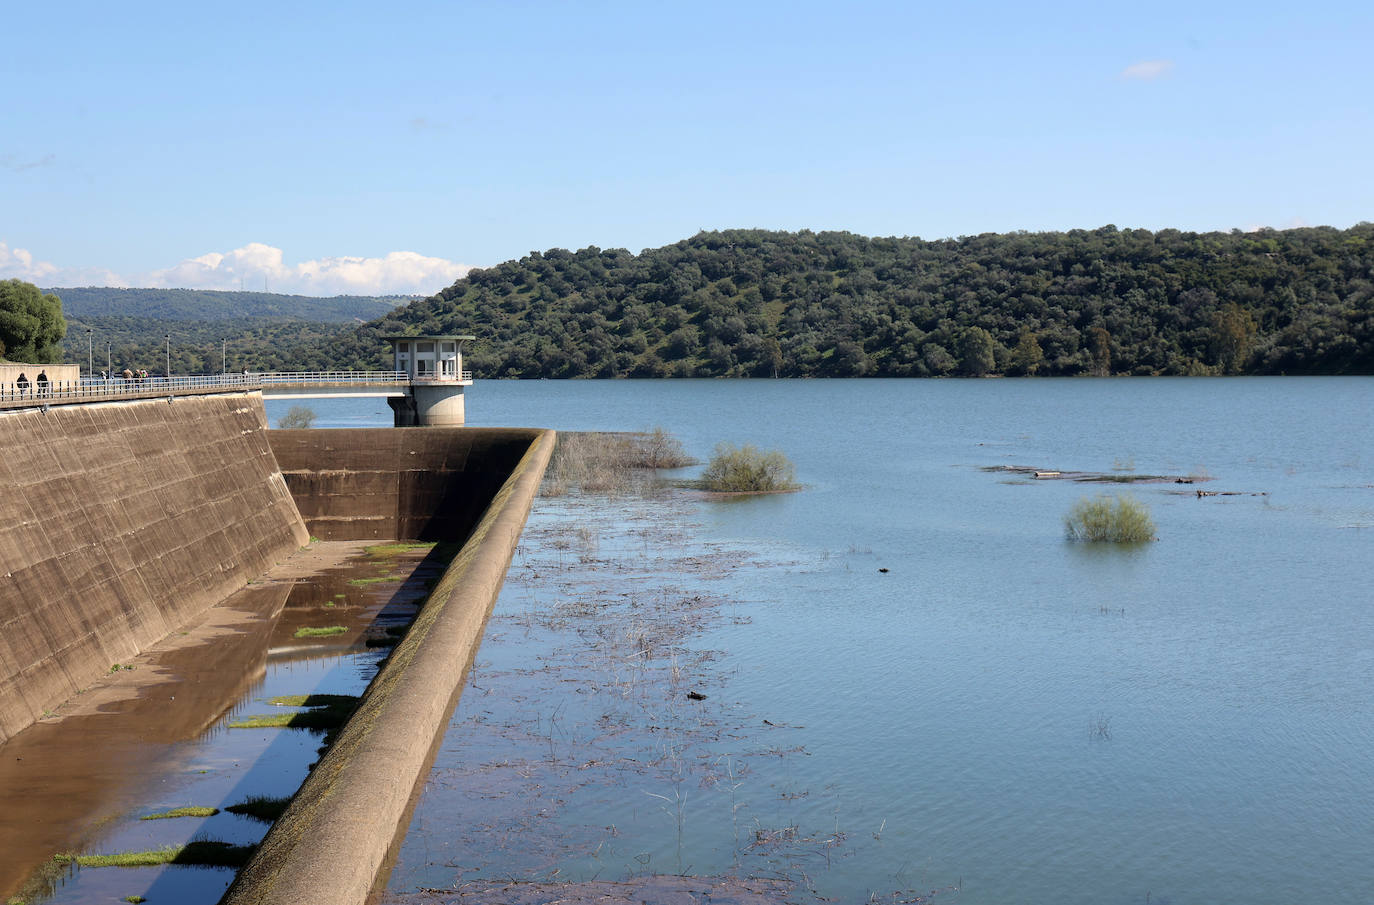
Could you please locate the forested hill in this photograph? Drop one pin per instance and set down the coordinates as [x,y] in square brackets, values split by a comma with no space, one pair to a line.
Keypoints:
[758,303]
[217,305]
[204,329]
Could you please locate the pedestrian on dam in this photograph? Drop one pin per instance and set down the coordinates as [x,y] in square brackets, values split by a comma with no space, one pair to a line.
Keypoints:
[128,375]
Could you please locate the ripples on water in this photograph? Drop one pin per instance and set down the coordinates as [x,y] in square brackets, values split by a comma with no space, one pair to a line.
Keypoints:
[1184,722]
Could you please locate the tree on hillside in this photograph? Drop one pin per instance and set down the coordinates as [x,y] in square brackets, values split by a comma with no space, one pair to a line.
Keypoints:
[1233,329]
[1027,356]
[977,355]
[1100,343]
[31,323]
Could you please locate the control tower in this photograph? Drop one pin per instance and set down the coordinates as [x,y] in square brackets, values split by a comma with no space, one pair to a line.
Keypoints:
[437,379]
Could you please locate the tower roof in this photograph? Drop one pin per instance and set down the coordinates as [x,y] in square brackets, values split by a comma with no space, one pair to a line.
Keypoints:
[451,337]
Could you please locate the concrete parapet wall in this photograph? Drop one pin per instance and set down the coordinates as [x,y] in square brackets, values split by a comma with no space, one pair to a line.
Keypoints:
[418,483]
[332,843]
[120,522]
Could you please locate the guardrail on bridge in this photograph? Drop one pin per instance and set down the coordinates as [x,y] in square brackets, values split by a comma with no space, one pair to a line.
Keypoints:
[30,393]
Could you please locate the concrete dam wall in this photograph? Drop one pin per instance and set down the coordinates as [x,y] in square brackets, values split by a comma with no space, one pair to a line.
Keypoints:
[334,841]
[120,522]
[408,483]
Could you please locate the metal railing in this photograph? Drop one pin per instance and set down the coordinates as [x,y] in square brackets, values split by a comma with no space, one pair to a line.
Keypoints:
[329,378]
[442,378]
[31,393]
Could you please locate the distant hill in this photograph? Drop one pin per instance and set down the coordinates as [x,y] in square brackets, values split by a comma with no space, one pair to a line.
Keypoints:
[741,303]
[208,329]
[758,303]
[217,305]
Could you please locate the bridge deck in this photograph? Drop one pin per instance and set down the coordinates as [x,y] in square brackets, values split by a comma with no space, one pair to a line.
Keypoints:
[297,384]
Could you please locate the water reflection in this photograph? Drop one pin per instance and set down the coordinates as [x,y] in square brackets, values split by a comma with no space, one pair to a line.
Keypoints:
[154,737]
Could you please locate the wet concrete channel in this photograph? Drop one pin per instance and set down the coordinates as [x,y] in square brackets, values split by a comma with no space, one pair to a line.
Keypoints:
[156,733]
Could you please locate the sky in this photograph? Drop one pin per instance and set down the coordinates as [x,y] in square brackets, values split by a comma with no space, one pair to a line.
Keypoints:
[370,148]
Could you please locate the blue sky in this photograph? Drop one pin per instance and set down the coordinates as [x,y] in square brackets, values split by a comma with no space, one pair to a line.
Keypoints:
[383,148]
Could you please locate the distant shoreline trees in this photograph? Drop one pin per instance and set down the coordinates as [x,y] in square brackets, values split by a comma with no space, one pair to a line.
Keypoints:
[757,303]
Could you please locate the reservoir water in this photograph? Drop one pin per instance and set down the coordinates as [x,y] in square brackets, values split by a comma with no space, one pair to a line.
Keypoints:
[1001,715]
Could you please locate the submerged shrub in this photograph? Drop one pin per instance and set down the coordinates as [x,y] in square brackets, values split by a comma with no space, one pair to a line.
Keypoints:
[660,449]
[298,417]
[611,463]
[1108,519]
[747,469]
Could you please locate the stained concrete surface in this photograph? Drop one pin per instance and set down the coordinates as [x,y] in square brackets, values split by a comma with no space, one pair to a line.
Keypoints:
[333,842]
[119,523]
[123,522]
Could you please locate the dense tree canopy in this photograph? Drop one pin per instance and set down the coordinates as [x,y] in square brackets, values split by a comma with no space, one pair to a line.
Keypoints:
[31,323]
[219,305]
[759,303]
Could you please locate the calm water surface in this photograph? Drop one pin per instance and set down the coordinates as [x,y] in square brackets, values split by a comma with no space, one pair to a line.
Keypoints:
[1036,721]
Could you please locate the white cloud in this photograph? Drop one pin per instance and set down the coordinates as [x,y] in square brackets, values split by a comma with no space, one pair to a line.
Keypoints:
[19,264]
[1292,223]
[1148,70]
[256,266]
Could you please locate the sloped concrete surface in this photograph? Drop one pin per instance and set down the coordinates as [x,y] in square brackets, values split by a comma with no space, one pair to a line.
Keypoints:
[332,843]
[120,522]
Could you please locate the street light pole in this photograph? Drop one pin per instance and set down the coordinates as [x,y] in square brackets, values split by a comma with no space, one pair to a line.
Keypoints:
[169,356]
[224,356]
[90,355]
[109,358]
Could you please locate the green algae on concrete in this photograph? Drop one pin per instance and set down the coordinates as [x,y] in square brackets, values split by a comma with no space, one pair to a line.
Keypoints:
[327,711]
[320,632]
[199,853]
[387,550]
[189,811]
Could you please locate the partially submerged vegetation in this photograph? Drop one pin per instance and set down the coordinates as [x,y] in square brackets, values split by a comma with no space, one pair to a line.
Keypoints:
[324,631]
[199,852]
[748,469]
[1118,475]
[262,808]
[1109,519]
[326,712]
[616,463]
[613,463]
[190,811]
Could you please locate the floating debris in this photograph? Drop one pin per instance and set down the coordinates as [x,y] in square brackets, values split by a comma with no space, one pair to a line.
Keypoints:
[1090,477]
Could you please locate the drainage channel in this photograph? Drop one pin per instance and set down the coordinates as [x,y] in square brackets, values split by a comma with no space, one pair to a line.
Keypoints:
[183,755]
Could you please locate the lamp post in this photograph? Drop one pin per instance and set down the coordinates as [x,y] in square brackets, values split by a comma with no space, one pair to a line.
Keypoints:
[224,356]
[169,356]
[90,356]
[109,358]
